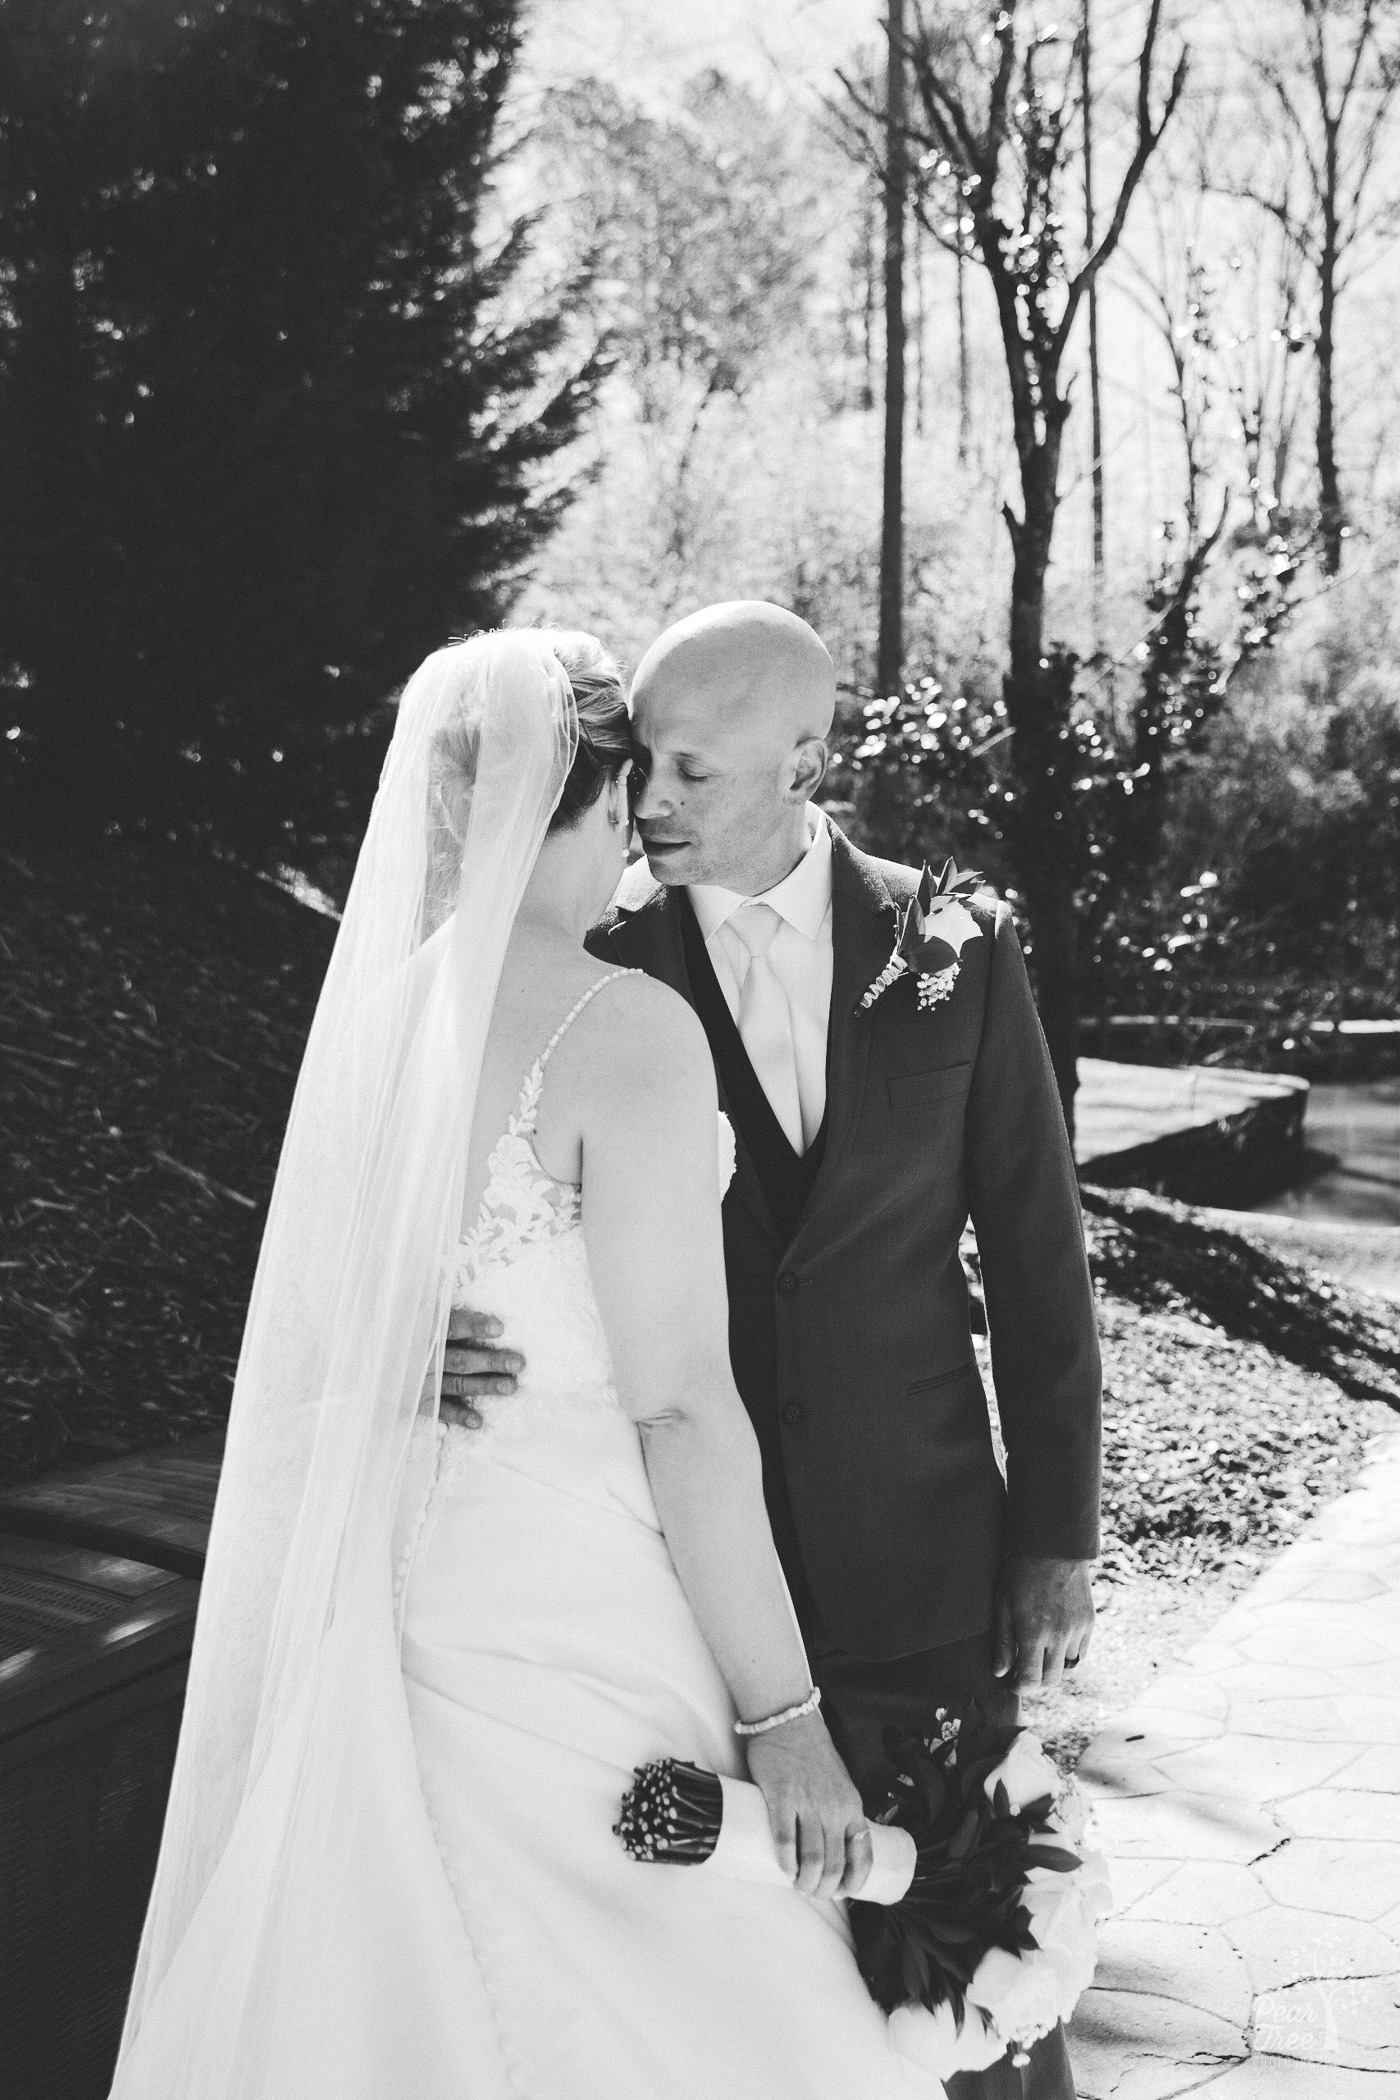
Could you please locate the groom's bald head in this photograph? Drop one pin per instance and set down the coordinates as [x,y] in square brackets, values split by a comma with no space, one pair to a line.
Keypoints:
[731,708]
[748,668]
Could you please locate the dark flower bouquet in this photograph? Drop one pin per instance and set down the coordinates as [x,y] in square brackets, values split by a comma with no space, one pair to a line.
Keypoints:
[977,1934]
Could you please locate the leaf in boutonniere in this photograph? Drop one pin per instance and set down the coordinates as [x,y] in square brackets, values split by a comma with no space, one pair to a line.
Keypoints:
[943,906]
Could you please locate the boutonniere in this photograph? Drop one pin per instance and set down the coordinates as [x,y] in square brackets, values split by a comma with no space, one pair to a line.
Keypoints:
[937,913]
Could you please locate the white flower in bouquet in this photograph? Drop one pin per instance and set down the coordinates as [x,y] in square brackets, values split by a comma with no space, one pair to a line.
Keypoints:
[1026,1773]
[931,2038]
[1071,1812]
[1093,1885]
[1024,1999]
[1063,1924]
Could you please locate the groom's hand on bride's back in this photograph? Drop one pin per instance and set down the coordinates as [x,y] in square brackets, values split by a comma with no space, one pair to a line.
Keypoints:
[475,1365]
[1043,1620]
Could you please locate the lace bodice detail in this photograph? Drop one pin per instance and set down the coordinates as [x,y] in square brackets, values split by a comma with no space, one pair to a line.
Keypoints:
[524,1261]
[522,1206]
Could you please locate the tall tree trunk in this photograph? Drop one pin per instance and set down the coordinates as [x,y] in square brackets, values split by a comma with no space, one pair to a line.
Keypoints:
[867,391]
[1031,537]
[890,655]
[1329,487]
[964,378]
[1037,712]
[1095,413]
[919,319]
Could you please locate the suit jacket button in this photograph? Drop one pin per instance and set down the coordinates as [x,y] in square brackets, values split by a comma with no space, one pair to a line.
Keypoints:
[787,1284]
[793,1411]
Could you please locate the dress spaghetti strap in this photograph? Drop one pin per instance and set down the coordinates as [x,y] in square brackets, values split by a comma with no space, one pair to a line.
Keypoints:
[523,1123]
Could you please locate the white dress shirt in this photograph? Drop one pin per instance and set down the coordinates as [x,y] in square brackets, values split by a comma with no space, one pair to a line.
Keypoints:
[801,959]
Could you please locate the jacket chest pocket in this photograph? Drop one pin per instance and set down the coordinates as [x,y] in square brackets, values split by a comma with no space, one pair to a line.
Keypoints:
[922,1093]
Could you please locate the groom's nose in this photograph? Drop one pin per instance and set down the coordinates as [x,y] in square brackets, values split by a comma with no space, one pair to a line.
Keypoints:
[649,802]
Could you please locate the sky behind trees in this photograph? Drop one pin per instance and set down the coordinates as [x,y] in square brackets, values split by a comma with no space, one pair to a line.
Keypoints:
[787,51]
[646,46]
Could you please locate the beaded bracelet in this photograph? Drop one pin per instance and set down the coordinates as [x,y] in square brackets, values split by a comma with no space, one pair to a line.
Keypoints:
[789,1713]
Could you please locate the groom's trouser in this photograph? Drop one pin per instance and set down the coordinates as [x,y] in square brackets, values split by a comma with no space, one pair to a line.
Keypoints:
[859,1699]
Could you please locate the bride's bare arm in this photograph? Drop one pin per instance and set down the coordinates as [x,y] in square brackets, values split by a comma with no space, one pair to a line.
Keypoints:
[651,1220]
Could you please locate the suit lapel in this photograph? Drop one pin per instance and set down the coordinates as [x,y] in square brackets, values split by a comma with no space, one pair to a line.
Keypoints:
[863,934]
[648,936]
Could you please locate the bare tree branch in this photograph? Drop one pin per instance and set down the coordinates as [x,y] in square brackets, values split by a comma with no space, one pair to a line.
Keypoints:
[942,105]
[1001,84]
[1293,118]
[1148,137]
[1296,230]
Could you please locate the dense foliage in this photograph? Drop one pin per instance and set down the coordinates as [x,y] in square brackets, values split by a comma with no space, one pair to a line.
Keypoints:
[1231,818]
[264,437]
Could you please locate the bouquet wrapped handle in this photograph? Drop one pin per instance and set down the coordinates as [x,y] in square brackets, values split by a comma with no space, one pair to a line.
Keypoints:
[745,1850]
[678,1814]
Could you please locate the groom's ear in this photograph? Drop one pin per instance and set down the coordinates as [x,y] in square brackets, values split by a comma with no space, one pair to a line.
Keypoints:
[809,762]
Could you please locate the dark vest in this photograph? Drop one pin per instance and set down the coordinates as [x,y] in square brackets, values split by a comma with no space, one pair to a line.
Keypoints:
[787,1178]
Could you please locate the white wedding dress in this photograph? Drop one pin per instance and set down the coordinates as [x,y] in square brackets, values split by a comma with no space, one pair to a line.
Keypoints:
[547,1649]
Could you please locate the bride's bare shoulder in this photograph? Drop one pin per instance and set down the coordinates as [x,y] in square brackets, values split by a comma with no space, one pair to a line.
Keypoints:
[646,1040]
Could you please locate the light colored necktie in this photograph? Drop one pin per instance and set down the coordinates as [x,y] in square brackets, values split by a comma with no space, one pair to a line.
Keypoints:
[765,1018]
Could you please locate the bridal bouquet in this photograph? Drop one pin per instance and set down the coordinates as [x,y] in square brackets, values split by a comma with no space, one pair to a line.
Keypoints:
[987,1898]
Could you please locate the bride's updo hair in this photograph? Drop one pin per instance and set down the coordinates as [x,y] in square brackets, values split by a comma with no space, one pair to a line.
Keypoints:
[604,725]
[604,747]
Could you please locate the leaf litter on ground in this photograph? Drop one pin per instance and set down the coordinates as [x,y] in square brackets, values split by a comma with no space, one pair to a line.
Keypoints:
[153,1008]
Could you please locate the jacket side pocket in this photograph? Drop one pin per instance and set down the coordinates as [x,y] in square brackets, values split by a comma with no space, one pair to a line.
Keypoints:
[912,1090]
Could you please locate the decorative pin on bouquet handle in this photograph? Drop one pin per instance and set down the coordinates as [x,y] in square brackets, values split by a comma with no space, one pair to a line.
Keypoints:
[936,913]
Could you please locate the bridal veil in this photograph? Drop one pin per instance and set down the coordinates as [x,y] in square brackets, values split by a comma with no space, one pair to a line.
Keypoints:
[288,1783]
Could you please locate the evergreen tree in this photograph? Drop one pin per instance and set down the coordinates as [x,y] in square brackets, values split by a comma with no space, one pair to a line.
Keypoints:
[264,439]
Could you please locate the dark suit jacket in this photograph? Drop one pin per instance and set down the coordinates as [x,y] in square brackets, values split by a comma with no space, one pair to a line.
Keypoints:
[851,1345]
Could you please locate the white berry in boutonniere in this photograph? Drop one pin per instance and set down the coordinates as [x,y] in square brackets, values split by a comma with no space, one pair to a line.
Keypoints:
[937,913]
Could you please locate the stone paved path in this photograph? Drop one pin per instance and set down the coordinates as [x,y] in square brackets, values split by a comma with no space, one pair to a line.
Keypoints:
[1250,1804]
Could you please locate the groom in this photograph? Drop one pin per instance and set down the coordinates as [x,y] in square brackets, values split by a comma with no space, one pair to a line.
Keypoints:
[866,1134]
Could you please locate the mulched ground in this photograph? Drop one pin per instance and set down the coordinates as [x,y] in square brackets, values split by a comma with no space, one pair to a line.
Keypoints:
[1166,1258]
[153,1008]
[1216,1450]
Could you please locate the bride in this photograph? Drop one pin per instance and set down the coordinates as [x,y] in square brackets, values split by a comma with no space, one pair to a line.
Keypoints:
[429,1656]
